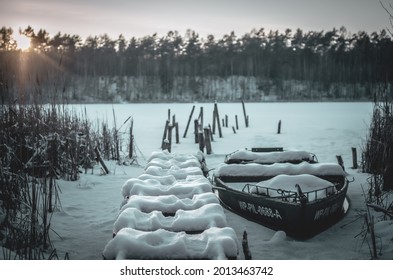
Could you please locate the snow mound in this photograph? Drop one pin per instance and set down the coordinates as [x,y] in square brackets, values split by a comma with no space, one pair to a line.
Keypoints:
[165,155]
[164,180]
[269,157]
[169,203]
[278,237]
[198,220]
[213,243]
[153,187]
[255,169]
[177,172]
[316,188]
[166,164]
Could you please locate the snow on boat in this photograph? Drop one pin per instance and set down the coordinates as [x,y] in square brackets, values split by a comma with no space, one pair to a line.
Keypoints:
[151,186]
[207,216]
[177,172]
[165,155]
[270,157]
[300,199]
[254,172]
[166,164]
[171,212]
[214,243]
[174,162]
[169,204]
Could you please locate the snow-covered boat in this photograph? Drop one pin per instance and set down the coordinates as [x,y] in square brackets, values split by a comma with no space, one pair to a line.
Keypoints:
[269,156]
[302,199]
[171,212]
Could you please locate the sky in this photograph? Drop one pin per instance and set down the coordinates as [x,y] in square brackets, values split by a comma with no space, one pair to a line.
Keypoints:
[217,17]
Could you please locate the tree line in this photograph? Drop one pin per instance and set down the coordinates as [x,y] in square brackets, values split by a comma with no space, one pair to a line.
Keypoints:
[324,57]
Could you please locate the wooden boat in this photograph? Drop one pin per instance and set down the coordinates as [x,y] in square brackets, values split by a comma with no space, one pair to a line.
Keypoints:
[301,199]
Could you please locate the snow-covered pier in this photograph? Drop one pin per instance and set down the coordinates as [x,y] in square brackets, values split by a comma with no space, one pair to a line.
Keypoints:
[171,212]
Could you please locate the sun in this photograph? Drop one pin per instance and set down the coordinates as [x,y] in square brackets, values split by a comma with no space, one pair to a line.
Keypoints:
[22,41]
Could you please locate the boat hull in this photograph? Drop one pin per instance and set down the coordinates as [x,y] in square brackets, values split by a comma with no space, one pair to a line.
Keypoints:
[300,220]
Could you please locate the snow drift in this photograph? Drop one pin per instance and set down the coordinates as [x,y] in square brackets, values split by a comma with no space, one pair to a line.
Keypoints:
[213,243]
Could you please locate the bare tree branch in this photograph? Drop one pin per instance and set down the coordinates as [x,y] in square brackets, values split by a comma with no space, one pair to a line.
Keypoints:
[389,13]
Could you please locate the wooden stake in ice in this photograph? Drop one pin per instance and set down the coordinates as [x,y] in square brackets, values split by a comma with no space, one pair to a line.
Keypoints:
[189,120]
[354,158]
[245,114]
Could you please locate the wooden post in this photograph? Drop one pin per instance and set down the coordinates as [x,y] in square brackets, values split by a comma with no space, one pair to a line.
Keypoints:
[214,121]
[354,158]
[237,123]
[173,120]
[208,144]
[170,127]
[177,133]
[200,118]
[234,130]
[226,120]
[218,119]
[165,134]
[279,127]
[201,140]
[169,114]
[166,145]
[99,158]
[189,120]
[223,122]
[245,114]
[340,161]
[246,249]
[196,128]
[211,134]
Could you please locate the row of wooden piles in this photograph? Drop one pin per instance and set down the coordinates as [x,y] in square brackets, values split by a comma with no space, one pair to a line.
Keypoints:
[203,134]
[171,212]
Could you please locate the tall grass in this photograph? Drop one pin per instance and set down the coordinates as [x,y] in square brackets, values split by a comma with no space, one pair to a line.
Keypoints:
[378,150]
[40,144]
[378,161]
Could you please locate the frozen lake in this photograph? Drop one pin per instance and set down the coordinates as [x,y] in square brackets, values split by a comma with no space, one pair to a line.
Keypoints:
[326,129]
